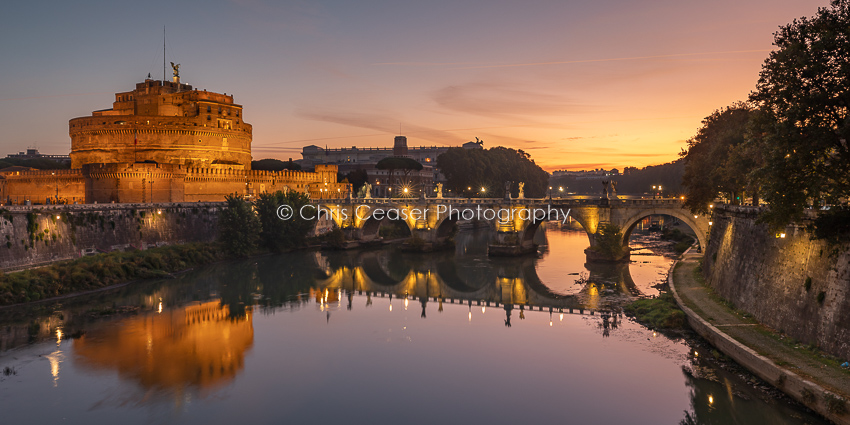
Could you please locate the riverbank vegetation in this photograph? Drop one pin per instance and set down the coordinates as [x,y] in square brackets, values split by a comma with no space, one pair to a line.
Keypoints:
[609,244]
[660,313]
[98,271]
[271,223]
[683,240]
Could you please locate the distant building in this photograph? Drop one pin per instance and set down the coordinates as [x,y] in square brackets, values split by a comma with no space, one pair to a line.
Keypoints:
[33,153]
[354,158]
[587,174]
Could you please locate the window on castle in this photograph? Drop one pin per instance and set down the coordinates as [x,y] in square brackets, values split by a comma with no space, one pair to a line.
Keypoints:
[209,109]
[219,109]
[209,118]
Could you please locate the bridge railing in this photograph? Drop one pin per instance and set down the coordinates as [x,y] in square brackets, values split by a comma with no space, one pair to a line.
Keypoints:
[501,201]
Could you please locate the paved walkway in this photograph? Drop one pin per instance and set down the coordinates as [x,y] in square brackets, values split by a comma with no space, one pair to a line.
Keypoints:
[749,332]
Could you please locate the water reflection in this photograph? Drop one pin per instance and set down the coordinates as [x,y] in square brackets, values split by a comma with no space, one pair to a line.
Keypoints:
[201,346]
[192,336]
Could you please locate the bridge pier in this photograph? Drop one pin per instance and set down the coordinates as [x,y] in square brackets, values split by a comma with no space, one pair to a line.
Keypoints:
[510,244]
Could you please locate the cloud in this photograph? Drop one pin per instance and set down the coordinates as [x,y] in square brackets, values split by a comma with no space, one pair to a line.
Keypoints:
[674,55]
[501,101]
[382,122]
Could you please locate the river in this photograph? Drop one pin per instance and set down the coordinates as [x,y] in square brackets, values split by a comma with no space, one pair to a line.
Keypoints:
[374,336]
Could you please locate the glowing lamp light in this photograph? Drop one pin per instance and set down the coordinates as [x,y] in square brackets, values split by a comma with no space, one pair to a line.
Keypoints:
[159,212]
[710,223]
[711,206]
[695,216]
[405,190]
[58,217]
[483,309]
[483,189]
[710,400]
[782,235]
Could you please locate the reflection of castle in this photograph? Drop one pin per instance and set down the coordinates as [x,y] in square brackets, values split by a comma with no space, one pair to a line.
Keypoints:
[161,142]
[200,346]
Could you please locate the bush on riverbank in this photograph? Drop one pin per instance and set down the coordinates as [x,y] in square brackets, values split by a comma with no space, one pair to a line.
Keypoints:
[102,270]
[658,313]
[683,240]
[239,226]
[609,243]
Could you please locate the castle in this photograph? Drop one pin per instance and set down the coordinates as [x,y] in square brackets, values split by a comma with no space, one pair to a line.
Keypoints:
[164,141]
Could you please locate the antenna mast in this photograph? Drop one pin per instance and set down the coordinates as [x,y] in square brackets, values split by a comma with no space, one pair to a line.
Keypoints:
[163,53]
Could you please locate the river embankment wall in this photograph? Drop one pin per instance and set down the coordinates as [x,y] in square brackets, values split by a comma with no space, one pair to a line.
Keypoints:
[787,280]
[35,235]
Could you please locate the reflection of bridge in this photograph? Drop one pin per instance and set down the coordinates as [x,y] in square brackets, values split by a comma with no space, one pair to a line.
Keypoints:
[513,220]
[509,284]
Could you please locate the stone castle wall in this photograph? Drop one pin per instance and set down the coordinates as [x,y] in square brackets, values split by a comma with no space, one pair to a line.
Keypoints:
[38,235]
[37,186]
[150,182]
[766,276]
[166,140]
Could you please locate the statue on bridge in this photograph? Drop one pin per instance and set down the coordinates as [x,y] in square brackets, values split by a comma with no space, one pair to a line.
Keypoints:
[521,194]
[605,189]
[365,191]
[614,189]
[439,191]
[507,191]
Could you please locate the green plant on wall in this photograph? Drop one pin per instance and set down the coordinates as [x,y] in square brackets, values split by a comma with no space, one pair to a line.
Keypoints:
[32,225]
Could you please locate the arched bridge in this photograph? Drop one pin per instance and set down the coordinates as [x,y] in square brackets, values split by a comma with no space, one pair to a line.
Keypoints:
[432,221]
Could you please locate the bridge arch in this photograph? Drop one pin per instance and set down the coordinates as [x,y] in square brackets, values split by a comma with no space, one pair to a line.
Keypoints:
[699,224]
[587,223]
[370,227]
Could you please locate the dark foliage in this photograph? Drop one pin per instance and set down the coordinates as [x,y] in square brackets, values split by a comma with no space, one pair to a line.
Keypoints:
[803,94]
[40,164]
[270,164]
[239,227]
[468,170]
[280,235]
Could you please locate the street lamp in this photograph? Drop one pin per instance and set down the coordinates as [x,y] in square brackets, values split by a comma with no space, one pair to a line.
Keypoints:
[56,182]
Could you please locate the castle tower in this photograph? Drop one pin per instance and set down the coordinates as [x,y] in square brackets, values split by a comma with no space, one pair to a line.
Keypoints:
[166,122]
[400,146]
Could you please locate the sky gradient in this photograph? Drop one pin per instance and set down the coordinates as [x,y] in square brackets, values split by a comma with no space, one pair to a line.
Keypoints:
[577,84]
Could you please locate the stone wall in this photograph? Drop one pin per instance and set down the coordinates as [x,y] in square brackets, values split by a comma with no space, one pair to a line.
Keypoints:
[765,274]
[37,186]
[38,235]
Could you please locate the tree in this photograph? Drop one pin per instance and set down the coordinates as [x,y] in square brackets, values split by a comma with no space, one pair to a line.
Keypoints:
[469,170]
[271,164]
[718,160]
[239,227]
[279,234]
[398,163]
[357,178]
[803,95]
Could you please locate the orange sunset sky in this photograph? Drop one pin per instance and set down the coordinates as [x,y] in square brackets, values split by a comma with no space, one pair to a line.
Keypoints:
[577,84]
